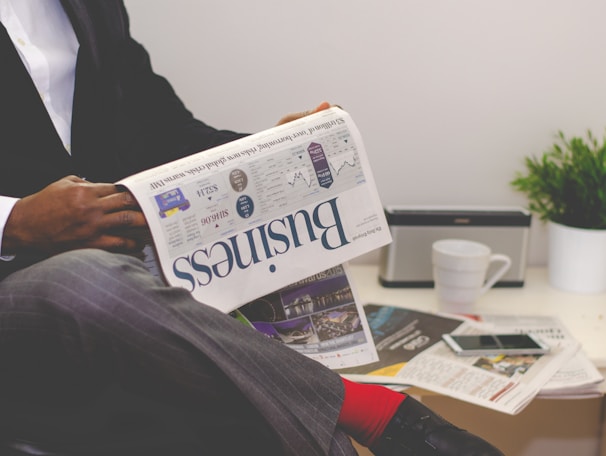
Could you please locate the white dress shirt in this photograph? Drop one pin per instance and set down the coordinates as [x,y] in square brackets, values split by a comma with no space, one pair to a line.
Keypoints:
[48,47]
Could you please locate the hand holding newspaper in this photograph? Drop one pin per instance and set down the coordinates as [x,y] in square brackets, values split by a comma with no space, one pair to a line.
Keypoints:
[244,219]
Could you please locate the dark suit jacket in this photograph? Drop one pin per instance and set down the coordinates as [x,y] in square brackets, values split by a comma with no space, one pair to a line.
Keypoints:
[125,117]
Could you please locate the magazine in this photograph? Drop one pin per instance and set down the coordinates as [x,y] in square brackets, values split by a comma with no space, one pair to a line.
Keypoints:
[399,335]
[320,317]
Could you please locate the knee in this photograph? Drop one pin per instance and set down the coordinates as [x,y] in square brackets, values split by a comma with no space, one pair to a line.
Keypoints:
[89,264]
[82,273]
[75,258]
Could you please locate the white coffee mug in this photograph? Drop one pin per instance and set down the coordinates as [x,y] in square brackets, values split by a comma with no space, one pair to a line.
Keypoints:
[459,272]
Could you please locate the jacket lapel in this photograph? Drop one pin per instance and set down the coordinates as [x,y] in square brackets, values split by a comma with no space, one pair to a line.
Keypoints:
[31,151]
[84,28]
[86,107]
[21,107]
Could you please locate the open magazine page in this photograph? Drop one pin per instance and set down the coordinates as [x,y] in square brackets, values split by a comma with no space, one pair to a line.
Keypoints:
[399,334]
[577,378]
[241,220]
[319,317]
[502,383]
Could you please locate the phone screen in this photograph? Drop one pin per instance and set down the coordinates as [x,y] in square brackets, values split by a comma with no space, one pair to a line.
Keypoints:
[490,341]
[506,344]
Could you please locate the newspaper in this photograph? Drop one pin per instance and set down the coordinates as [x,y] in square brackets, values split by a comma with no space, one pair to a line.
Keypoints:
[577,378]
[320,317]
[244,219]
[503,383]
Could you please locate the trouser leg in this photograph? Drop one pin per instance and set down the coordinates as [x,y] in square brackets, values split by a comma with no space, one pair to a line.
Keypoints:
[78,321]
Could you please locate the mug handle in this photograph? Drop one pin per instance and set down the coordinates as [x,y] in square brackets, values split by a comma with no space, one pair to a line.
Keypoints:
[498,257]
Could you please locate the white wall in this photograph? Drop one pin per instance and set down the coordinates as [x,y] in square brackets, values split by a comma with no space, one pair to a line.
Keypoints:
[449,95]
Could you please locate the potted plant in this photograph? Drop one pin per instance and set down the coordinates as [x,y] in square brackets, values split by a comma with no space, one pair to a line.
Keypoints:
[566,187]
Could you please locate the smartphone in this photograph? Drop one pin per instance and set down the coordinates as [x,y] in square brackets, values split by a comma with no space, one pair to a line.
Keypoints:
[495,344]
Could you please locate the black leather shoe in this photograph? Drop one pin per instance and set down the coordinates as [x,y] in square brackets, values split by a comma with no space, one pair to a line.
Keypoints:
[417,431]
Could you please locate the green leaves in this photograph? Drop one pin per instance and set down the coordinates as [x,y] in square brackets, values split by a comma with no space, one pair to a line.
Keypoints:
[567,184]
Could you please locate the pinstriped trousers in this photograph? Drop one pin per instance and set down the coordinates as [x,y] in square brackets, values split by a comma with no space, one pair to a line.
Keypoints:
[79,322]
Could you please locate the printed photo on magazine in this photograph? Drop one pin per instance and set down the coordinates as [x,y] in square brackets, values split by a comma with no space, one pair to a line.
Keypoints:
[319,317]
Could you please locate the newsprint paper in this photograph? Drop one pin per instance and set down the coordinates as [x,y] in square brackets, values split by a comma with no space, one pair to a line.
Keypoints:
[320,317]
[282,207]
[412,353]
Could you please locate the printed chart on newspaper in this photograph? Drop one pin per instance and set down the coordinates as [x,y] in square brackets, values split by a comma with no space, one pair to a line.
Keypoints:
[244,219]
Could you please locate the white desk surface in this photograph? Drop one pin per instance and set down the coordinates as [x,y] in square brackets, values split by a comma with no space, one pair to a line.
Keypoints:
[583,314]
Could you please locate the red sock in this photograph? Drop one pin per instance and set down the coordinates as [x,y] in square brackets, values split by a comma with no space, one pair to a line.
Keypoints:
[367,409]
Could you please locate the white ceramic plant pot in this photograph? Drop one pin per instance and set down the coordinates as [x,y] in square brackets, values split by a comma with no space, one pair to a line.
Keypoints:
[577,258]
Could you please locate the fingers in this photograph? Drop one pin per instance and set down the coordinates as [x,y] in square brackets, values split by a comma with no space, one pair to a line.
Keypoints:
[322,106]
[119,244]
[126,219]
[121,200]
[72,213]
[111,198]
[122,220]
[101,190]
[117,194]
[108,210]
[297,115]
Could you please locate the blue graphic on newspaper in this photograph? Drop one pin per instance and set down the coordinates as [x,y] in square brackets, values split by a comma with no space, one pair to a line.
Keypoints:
[171,202]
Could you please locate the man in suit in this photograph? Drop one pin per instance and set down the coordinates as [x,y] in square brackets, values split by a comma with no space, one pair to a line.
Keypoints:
[98,357]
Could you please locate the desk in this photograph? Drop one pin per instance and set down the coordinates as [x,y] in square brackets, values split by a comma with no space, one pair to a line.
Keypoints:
[547,426]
